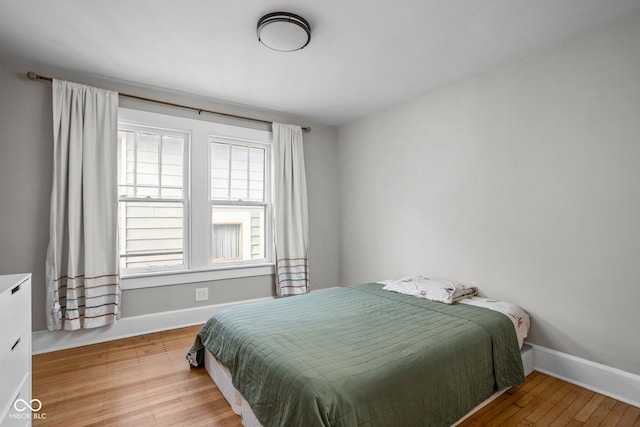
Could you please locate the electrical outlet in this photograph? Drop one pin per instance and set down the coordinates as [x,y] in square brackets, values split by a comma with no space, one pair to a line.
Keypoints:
[202,294]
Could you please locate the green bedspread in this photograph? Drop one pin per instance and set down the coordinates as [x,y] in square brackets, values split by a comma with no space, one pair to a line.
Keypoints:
[362,356]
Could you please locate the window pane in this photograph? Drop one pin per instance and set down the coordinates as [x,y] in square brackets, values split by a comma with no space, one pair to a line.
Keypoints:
[219,193]
[151,234]
[238,189]
[126,160]
[151,165]
[148,161]
[151,192]
[220,151]
[171,193]
[256,186]
[237,172]
[172,166]
[220,158]
[238,233]
[239,156]
[256,174]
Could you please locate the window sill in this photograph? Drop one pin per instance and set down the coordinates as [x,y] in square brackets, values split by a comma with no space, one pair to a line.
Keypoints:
[167,278]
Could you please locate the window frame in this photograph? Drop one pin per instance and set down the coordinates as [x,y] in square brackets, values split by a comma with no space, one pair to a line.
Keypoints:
[198,231]
[267,202]
[125,125]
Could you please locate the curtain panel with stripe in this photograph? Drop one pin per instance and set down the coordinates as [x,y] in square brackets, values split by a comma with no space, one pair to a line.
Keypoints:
[82,268]
[291,225]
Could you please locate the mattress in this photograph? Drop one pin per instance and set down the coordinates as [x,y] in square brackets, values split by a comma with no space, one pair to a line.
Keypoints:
[362,356]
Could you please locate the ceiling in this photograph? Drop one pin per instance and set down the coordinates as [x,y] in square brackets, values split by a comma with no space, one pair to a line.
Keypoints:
[363,55]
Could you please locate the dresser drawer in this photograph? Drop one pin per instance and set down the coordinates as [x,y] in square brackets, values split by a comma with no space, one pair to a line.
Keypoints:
[14,418]
[15,313]
[14,367]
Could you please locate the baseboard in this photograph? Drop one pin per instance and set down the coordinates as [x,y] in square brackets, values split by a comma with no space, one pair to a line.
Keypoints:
[45,341]
[612,382]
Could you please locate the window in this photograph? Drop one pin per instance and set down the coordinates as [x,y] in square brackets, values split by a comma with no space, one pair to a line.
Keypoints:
[238,202]
[151,188]
[194,200]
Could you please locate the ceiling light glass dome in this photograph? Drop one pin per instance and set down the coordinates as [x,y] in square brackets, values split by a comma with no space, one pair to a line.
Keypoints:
[284,31]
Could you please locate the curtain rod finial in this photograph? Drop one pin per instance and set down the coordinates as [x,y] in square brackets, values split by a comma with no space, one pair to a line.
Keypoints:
[32,75]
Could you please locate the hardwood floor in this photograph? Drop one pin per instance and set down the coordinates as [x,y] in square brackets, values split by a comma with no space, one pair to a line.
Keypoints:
[547,401]
[145,380]
[141,381]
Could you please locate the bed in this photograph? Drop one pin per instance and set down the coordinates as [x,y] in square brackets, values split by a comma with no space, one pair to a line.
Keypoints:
[358,355]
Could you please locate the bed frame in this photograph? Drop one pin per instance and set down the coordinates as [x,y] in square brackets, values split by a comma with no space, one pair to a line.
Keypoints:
[222,378]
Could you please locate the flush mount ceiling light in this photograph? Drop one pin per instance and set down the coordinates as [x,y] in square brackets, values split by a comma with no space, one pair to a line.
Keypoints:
[284,31]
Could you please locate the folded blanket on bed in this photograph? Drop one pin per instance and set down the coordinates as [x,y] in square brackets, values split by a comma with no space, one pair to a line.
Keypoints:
[431,289]
[518,316]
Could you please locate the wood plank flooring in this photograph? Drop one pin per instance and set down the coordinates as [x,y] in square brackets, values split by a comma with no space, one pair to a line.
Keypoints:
[141,381]
[145,381]
[547,401]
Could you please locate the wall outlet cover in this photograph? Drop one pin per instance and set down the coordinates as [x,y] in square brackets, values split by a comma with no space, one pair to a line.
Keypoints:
[202,294]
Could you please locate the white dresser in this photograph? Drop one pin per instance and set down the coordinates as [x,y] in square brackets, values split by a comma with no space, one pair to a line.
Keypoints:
[15,350]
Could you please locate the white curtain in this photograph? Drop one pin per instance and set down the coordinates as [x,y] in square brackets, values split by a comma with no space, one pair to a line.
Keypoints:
[226,241]
[82,269]
[290,211]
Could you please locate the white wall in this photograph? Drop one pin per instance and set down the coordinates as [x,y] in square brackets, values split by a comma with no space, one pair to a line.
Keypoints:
[524,181]
[26,146]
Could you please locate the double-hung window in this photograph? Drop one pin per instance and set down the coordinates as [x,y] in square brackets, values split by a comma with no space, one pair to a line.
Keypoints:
[194,200]
[238,201]
[152,196]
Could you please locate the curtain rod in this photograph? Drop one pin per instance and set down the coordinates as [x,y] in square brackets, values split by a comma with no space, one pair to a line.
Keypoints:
[34,76]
